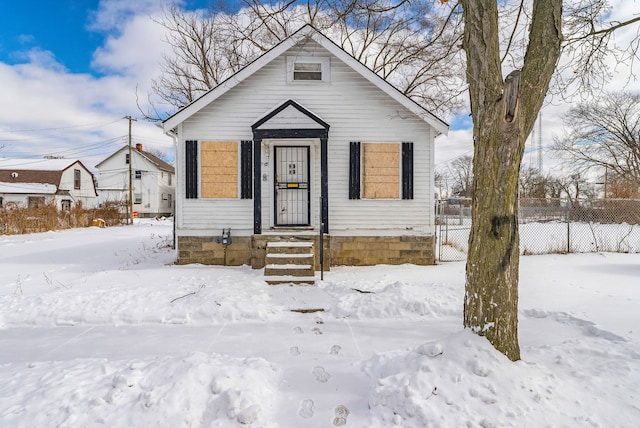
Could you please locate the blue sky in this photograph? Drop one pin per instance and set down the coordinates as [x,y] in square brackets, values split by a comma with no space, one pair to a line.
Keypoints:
[70,29]
[69,71]
[60,27]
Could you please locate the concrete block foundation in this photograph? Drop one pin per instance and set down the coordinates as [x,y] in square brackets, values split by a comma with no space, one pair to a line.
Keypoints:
[338,250]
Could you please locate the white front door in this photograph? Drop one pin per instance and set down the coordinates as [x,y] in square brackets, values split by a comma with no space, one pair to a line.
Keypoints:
[292,190]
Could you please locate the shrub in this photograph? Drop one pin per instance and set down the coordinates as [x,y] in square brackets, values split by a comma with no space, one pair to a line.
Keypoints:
[17,220]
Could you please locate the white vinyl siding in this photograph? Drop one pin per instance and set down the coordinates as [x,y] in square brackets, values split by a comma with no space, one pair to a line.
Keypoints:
[355,109]
[113,182]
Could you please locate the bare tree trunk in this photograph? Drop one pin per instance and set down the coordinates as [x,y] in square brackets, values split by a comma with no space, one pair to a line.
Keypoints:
[503,115]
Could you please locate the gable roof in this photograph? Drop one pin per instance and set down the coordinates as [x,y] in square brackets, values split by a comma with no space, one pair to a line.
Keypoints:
[42,171]
[306,31]
[159,163]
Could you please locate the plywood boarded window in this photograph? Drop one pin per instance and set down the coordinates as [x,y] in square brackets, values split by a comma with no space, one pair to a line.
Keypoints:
[219,173]
[381,171]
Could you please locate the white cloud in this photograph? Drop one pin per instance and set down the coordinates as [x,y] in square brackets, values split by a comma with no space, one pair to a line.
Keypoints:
[457,143]
[48,109]
[112,15]
[135,52]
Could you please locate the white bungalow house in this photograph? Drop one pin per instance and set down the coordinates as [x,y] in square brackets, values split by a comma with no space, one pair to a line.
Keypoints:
[304,140]
[36,182]
[152,178]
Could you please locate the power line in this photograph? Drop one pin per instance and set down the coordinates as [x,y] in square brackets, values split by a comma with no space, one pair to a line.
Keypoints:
[87,125]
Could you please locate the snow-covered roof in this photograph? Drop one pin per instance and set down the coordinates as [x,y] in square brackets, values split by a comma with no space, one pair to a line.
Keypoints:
[31,188]
[37,164]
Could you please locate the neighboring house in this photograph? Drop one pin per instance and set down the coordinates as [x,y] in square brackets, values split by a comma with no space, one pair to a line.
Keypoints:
[152,178]
[304,138]
[36,182]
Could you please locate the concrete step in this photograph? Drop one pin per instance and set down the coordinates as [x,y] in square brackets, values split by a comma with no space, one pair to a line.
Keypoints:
[290,259]
[288,279]
[287,247]
[289,270]
[289,262]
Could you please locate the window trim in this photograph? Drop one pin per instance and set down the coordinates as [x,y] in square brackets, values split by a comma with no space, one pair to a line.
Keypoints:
[77,179]
[325,69]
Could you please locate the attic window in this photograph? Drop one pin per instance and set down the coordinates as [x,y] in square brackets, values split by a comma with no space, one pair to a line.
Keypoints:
[308,69]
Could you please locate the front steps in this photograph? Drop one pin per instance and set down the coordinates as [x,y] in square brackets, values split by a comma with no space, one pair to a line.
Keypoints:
[289,262]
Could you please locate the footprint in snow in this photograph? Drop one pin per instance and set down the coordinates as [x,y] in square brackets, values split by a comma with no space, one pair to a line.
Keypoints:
[341,412]
[294,350]
[297,330]
[306,409]
[335,350]
[318,320]
[316,330]
[320,374]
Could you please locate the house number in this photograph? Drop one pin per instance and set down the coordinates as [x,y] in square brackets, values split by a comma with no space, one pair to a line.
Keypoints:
[292,169]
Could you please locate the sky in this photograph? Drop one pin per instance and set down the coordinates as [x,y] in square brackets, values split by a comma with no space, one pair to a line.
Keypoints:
[71,70]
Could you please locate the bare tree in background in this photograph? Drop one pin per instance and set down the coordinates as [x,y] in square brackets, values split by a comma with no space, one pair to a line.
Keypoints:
[605,134]
[412,45]
[461,172]
[620,187]
[532,184]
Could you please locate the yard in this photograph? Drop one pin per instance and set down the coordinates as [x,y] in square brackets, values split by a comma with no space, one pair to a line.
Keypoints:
[99,328]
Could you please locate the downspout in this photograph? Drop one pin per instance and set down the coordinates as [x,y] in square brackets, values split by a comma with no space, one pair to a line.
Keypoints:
[174,136]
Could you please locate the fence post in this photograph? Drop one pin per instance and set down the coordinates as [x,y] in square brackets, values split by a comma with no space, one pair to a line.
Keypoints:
[568,217]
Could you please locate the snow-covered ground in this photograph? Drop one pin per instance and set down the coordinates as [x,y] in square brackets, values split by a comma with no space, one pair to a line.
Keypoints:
[98,328]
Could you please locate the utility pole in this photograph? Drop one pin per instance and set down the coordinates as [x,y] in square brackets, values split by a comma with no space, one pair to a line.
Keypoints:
[130,207]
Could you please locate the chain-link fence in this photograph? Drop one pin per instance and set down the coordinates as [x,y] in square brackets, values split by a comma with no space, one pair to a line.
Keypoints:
[550,226]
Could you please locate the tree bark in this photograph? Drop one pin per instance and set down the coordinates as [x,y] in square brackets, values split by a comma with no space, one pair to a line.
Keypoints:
[503,115]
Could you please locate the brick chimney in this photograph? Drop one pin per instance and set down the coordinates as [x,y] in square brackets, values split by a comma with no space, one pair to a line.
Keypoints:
[139,147]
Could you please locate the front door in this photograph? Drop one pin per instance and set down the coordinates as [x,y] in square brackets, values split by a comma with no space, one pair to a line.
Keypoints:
[292,197]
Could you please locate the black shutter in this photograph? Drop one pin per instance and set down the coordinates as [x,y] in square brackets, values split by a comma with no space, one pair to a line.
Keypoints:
[407,170]
[191,169]
[354,170]
[246,173]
